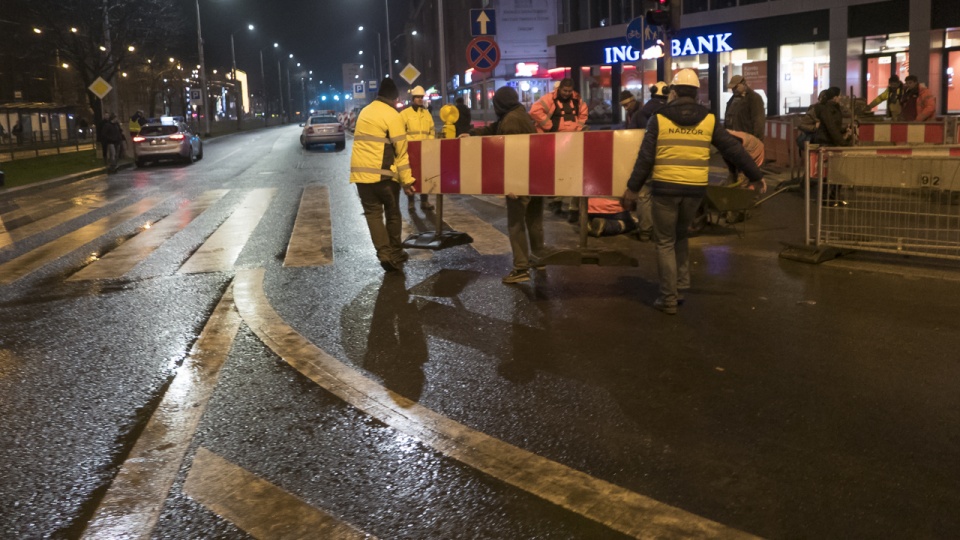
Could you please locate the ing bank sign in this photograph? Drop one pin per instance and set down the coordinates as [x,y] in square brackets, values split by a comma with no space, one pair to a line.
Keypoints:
[710,43]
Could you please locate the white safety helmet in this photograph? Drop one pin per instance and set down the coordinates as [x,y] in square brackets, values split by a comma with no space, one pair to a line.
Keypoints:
[686,77]
[417,91]
[659,89]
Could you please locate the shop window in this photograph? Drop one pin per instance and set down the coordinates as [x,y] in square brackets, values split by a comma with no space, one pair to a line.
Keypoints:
[695,6]
[722,4]
[751,64]
[952,38]
[804,73]
[596,92]
[879,70]
[638,81]
[953,84]
[886,44]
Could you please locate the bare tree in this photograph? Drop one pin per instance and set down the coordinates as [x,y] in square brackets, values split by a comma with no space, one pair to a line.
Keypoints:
[95,36]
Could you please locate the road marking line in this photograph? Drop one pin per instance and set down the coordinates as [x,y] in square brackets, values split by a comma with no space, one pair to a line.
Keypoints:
[32,260]
[132,504]
[601,501]
[487,240]
[311,242]
[256,506]
[83,205]
[223,247]
[119,261]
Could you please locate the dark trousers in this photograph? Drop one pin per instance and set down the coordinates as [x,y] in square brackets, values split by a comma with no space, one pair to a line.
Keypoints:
[381,208]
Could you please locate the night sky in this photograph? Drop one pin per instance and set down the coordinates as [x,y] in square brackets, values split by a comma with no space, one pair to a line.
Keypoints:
[321,34]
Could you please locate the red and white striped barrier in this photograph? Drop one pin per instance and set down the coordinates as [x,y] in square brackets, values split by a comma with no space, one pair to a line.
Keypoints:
[593,163]
[903,133]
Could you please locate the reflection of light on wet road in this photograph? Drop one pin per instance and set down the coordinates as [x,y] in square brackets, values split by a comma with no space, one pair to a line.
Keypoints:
[719,259]
[132,505]
[613,506]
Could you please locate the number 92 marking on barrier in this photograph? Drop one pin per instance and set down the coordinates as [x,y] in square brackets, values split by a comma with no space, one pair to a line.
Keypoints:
[927,180]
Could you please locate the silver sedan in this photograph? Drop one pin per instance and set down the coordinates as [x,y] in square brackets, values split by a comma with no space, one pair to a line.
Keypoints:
[166,141]
[323,130]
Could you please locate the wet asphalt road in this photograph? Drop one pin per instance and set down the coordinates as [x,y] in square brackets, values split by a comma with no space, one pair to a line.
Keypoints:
[785,401]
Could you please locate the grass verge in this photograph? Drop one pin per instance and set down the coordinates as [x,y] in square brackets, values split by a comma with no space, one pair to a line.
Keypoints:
[30,171]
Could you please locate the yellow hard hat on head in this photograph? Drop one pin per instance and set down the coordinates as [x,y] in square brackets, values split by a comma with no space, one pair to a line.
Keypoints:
[686,77]
[659,89]
[417,91]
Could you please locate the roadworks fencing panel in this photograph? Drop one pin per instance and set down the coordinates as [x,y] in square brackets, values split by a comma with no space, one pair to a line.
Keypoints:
[891,200]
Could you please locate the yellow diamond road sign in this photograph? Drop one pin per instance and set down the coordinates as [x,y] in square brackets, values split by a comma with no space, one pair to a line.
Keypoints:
[100,87]
[410,73]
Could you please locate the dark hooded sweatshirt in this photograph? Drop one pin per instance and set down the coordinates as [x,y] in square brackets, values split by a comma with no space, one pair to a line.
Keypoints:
[686,112]
[512,118]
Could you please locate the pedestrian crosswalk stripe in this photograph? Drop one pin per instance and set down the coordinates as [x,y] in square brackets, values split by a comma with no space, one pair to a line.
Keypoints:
[487,240]
[256,506]
[223,247]
[311,242]
[132,252]
[132,505]
[87,204]
[32,260]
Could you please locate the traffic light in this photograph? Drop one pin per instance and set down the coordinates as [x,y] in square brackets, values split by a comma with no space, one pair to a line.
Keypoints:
[659,16]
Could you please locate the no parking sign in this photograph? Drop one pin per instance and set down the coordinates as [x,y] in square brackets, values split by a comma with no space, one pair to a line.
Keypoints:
[483,53]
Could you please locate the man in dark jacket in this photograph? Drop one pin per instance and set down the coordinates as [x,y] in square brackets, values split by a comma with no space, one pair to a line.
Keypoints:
[658,98]
[675,154]
[524,213]
[830,132]
[112,137]
[464,120]
[745,110]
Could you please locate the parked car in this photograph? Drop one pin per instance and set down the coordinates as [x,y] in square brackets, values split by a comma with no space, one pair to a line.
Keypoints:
[169,140]
[323,130]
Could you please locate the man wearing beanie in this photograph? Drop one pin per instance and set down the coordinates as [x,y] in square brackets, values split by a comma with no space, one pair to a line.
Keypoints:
[629,104]
[524,213]
[379,167]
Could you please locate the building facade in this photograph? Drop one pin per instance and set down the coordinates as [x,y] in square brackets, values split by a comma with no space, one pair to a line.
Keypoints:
[788,50]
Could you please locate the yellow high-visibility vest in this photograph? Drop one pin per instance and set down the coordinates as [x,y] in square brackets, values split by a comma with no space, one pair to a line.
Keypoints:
[683,152]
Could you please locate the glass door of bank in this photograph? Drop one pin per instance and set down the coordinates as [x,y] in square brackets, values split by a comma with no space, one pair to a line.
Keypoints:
[877,70]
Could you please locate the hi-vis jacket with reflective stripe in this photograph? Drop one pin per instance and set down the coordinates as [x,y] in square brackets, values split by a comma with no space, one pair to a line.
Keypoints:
[675,151]
[419,124]
[380,146]
[683,152]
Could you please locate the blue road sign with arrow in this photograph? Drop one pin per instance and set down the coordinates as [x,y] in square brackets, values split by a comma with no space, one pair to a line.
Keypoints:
[483,22]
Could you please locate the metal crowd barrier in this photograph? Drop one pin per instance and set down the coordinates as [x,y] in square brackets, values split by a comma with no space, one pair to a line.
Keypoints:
[898,200]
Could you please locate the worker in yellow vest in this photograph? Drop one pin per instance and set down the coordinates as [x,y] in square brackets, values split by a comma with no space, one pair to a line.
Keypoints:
[136,122]
[675,155]
[420,126]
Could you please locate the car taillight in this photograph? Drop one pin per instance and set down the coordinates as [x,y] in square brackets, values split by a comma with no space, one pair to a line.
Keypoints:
[139,139]
[177,136]
[309,131]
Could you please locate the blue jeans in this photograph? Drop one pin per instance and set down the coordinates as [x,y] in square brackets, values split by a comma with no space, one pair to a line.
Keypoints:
[380,200]
[672,217]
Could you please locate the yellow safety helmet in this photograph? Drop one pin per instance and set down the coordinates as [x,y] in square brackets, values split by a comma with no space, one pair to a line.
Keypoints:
[686,77]
[659,89]
[417,91]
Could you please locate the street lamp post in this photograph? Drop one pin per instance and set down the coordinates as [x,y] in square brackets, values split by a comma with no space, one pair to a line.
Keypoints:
[263,79]
[386,7]
[289,94]
[203,78]
[233,75]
